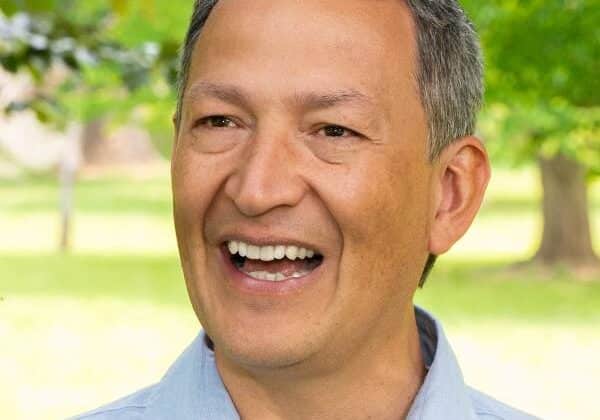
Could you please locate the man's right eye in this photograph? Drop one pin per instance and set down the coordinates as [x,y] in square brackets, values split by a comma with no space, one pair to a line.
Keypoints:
[216,121]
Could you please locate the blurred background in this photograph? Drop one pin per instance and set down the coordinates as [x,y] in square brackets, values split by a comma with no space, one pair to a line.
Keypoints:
[92,300]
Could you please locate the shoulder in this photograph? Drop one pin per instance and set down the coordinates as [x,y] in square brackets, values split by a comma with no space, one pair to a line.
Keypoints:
[488,408]
[131,407]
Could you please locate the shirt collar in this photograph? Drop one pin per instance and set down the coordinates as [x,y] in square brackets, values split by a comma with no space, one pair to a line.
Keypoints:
[193,389]
[443,393]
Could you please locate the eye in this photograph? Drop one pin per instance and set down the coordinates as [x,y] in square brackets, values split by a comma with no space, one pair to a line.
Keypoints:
[216,121]
[337,131]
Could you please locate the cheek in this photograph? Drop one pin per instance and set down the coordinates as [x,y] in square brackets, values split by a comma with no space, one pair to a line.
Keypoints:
[378,199]
[381,209]
[196,180]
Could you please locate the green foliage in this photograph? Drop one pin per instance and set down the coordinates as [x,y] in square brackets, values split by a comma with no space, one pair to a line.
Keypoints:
[542,50]
[117,59]
[521,132]
[9,7]
[543,88]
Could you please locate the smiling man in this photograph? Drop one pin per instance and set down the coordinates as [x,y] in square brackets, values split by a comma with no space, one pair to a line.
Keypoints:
[323,155]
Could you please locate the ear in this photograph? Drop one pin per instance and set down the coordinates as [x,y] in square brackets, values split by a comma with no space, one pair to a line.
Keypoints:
[462,176]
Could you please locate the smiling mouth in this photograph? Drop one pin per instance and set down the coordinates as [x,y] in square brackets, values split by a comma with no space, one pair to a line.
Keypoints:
[273,263]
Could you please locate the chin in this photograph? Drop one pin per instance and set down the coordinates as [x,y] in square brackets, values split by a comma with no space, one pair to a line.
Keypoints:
[262,349]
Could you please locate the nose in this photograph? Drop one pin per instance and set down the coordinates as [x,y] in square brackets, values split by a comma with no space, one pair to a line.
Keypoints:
[266,177]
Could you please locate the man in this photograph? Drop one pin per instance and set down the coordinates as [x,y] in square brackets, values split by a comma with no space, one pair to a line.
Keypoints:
[323,155]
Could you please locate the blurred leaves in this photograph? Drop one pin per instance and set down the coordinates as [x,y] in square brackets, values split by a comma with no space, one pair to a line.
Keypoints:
[36,43]
[521,133]
[119,6]
[45,109]
[543,91]
[9,7]
[87,61]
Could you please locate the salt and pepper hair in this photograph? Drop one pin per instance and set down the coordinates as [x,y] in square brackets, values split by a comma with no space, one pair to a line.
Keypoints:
[449,70]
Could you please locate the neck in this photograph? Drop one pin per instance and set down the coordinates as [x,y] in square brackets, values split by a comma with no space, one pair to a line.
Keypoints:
[379,381]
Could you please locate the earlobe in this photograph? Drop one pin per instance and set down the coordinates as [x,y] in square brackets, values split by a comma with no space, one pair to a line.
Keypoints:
[462,180]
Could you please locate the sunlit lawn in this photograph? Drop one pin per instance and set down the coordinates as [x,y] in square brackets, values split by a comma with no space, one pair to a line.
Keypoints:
[81,329]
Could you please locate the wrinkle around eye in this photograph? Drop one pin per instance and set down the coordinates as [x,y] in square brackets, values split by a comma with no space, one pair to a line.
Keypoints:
[215,133]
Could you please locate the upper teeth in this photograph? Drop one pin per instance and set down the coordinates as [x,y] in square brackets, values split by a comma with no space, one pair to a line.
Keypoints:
[270,252]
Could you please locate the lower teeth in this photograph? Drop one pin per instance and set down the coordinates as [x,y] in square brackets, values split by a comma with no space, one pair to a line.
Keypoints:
[304,269]
[266,276]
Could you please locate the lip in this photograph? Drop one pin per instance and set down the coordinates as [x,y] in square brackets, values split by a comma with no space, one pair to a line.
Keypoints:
[247,285]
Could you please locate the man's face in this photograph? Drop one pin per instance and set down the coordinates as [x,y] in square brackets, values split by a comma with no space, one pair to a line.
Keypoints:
[302,127]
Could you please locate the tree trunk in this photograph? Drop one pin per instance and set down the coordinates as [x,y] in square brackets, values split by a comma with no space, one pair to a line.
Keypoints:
[69,165]
[566,237]
[67,185]
[93,139]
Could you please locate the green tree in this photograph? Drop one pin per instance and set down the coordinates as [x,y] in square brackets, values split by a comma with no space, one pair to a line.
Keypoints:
[119,55]
[543,105]
[118,59]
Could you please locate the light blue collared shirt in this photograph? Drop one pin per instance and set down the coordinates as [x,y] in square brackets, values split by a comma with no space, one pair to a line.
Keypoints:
[193,389]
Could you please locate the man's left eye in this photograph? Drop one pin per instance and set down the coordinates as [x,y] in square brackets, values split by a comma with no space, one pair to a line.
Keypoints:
[337,131]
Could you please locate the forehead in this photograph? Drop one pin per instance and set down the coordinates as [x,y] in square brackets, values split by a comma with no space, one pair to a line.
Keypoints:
[380,16]
[308,45]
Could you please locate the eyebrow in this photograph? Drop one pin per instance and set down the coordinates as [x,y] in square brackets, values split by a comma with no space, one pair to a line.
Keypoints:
[307,100]
[225,93]
[315,100]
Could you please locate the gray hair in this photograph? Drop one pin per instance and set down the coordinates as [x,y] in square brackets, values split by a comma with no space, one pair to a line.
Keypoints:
[449,71]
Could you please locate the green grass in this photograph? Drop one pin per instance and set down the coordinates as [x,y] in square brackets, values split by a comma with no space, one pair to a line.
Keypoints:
[82,328]
[151,279]
[112,195]
[487,289]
